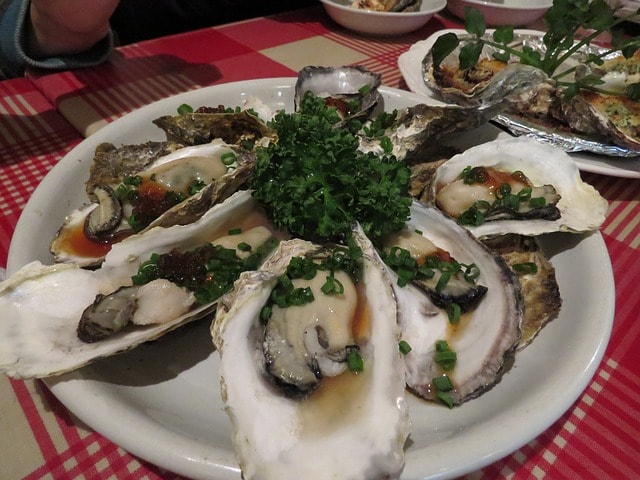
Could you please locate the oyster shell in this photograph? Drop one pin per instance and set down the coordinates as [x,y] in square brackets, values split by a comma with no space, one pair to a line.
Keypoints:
[42,304]
[111,164]
[415,129]
[580,208]
[303,432]
[538,285]
[88,232]
[353,90]
[202,127]
[484,339]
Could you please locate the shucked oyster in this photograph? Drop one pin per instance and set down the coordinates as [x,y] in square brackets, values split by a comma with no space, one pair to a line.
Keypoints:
[460,313]
[175,189]
[291,369]
[44,306]
[352,90]
[516,185]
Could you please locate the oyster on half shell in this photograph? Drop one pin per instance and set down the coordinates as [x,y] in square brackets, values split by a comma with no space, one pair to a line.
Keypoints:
[487,332]
[175,189]
[551,198]
[42,305]
[352,90]
[282,435]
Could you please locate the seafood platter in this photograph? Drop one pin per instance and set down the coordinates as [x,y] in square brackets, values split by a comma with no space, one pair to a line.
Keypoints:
[310,277]
[598,130]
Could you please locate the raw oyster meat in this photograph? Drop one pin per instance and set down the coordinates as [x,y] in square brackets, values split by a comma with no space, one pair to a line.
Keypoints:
[483,337]
[551,196]
[353,90]
[175,189]
[42,305]
[286,432]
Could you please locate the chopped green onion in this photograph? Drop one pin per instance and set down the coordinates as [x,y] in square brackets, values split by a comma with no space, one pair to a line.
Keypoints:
[444,356]
[184,109]
[537,202]
[442,383]
[234,231]
[228,158]
[332,286]
[525,267]
[453,313]
[134,180]
[442,281]
[265,314]
[447,360]
[471,272]
[354,361]
[244,247]
[196,186]
[446,398]
[404,347]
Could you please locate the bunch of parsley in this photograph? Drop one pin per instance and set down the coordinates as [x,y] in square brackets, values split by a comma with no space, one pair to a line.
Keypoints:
[564,20]
[313,182]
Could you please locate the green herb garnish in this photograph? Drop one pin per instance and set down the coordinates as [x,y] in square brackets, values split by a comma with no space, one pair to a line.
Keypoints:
[404,347]
[525,267]
[355,361]
[444,356]
[443,386]
[184,109]
[314,183]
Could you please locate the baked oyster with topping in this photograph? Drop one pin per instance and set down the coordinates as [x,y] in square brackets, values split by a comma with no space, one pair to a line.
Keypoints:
[601,121]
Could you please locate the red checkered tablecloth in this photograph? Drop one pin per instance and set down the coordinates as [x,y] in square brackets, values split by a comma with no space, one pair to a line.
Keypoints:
[44,116]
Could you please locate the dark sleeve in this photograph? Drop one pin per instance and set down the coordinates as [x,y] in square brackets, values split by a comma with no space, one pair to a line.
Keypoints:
[14,15]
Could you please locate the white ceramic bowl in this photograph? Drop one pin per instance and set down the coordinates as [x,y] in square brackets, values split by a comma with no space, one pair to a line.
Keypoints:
[381,23]
[503,12]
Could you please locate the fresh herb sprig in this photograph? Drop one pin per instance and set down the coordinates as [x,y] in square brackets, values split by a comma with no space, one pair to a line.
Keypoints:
[564,20]
[315,183]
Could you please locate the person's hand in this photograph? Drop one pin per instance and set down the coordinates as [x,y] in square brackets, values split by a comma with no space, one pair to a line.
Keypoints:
[68,26]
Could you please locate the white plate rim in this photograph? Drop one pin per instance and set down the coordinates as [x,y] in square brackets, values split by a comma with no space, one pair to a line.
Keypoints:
[410,65]
[92,401]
